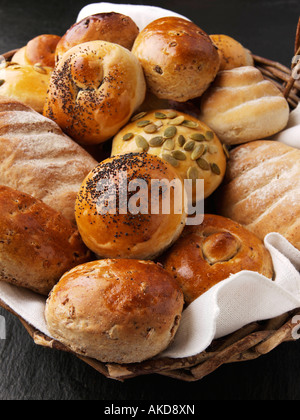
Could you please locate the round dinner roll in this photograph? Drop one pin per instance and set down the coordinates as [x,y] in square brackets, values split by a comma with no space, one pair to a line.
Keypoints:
[94,90]
[115,311]
[232,54]
[117,214]
[241,106]
[183,141]
[40,50]
[38,245]
[209,253]
[110,27]
[27,84]
[179,59]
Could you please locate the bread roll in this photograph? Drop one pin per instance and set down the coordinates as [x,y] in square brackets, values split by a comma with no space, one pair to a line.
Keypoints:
[180,139]
[94,90]
[179,59]
[117,220]
[240,106]
[117,311]
[38,159]
[209,253]
[232,54]
[40,50]
[28,84]
[110,27]
[262,189]
[38,245]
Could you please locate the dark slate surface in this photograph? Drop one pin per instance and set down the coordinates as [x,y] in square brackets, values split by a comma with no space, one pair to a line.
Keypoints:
[29,372]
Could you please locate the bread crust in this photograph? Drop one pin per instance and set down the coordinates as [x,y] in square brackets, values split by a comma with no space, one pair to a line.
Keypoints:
[40,50]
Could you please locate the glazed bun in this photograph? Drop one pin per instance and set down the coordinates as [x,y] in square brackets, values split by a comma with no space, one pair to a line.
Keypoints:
[110,27]
[38,245]
[27,84]
[209,253]
[179,59]
[116,223]
[232,53]
[116,311]
[183,141]
[241,106]
[94,90]
[40,50]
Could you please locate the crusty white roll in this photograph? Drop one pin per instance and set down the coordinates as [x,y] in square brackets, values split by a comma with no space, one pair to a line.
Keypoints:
[118,216]
[205,255]
[179,59]
[189,145]
[262,189]
[116,311]
[111,27]
[27,84]
[94,90]
[241,106]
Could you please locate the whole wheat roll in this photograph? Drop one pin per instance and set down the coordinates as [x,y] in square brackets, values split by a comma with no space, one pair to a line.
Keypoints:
[262,189]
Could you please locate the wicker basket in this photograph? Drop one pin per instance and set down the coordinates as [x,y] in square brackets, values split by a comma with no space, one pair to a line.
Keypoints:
[248,343]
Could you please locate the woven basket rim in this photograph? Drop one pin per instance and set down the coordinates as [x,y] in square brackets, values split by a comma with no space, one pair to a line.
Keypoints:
[248,343]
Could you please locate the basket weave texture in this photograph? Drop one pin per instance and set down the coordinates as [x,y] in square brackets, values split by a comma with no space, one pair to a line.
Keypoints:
[248,343]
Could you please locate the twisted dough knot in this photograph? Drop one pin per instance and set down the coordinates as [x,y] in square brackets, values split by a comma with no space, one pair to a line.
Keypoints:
[94,90]
[220,247]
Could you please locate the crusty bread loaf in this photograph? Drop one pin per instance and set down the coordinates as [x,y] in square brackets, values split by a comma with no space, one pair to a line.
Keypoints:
[38,159]
[262,189]
[37,244]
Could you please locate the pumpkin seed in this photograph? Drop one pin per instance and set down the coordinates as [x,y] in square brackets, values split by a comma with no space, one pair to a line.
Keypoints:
[226,151]
[160,115]
[203,164]
[189,146]
[212,149]
[197,152]
[143,123]
[177,121]
[40,69]
[128,136]
[2,82]
[178,155]
[209,135]
[190,124]
[197,137]
[215,169]
[170,132]
[181,140]
[171,114]
[142,143]
[150,129]
[158,124]
[192,173]
[156,141]
[138,116]
[170,160]
[169,144]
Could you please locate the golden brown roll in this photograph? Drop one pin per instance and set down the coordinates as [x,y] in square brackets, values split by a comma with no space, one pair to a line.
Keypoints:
[94,90]
[117,311]
[40,50]
[38,245]
[27,84]
[241,106]
[262,189]
[209,253]
[110,27]
[232,54]
[186,143]
[116,220]
[179,59]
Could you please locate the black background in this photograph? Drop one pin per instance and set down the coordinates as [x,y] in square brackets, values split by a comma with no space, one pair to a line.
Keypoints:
[29,372]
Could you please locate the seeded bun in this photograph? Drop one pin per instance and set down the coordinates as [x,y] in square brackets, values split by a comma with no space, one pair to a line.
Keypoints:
[179,59]
[209,253]
[123,234]
[110,27]
[183,141]
[40,50]
[94,90]
[117,311]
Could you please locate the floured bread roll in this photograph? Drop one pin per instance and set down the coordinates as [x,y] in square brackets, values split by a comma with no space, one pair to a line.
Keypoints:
[240,106]
[262,189]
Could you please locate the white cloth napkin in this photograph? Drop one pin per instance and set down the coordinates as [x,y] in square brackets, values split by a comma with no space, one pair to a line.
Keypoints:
[291,134]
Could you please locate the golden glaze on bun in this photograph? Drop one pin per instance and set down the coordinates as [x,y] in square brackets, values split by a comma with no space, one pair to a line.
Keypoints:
[109,27]
[209,253]
[192,148]
[179,59]
[38,245]
[94,90]
[123,234]
[117,311]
